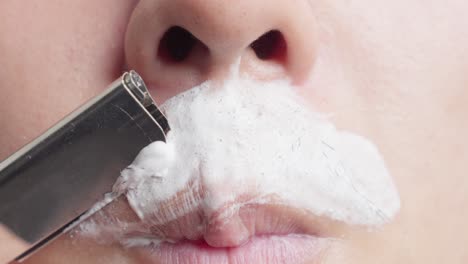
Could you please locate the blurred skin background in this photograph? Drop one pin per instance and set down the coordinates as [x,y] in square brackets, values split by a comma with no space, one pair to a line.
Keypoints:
[393,71]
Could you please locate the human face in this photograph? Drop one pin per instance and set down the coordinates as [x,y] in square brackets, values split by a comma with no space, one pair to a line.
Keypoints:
[391,71]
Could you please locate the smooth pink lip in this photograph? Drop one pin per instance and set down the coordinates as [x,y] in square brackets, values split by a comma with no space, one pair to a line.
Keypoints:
[243,232]
[255,233]
[259,249]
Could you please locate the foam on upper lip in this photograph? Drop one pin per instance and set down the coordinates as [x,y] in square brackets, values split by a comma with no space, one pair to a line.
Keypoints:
[255,140]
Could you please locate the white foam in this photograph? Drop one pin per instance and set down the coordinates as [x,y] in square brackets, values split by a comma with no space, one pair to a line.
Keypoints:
[257,139]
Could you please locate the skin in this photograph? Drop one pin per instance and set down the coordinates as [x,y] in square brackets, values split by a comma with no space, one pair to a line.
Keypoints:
[392,71]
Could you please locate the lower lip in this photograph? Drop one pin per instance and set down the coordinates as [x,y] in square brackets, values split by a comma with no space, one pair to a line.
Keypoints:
[263,249]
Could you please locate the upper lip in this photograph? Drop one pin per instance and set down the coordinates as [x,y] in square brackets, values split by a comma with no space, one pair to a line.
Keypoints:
[236,223]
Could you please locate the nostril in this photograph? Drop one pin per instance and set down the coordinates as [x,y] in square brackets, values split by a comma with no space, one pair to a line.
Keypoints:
[176,44]
[270,46]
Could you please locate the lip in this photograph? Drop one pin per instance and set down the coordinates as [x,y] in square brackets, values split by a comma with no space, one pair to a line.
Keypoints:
[265,232]
[246,231]
[260,249]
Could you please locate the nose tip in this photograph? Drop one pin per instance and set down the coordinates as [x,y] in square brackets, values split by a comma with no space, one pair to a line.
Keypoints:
[177,44]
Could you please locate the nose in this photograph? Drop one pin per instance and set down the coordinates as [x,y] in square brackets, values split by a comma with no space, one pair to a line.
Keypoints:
[177,44]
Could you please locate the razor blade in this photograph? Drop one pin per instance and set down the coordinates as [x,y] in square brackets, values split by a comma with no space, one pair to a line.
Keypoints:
[49,183]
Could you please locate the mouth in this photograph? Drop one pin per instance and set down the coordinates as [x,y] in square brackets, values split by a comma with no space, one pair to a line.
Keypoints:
[258,249]
[251,234]
[241,232]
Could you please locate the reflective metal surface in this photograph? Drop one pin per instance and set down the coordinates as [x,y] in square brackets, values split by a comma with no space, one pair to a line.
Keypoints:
[56,178]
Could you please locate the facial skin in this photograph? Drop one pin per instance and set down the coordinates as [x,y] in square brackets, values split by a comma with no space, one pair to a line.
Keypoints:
[392,71]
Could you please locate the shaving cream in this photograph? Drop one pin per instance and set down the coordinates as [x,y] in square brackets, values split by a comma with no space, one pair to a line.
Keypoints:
[257,140]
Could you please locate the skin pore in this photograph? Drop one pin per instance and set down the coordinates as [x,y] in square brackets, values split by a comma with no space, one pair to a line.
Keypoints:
[392,71]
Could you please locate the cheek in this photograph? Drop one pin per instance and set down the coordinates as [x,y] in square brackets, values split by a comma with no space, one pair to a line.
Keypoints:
[398,76]
[382,72]
[67,54]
